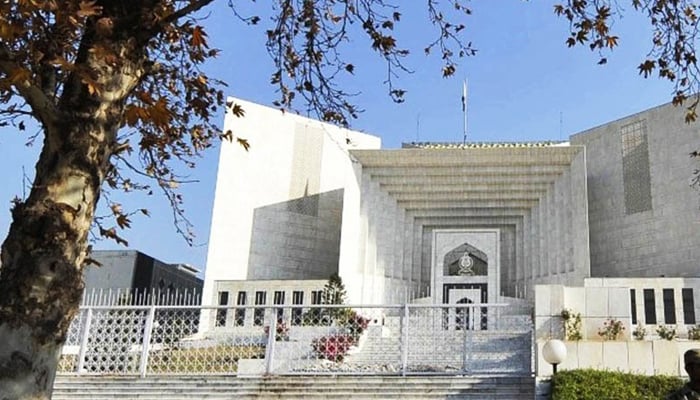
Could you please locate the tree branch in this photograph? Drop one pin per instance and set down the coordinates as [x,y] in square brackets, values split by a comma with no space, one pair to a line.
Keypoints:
[41,105]
[192,7]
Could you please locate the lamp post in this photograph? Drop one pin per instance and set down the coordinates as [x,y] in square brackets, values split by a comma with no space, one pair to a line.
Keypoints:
[554,352]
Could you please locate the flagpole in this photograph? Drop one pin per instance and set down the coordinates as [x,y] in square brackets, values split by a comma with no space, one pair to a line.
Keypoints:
[464,109]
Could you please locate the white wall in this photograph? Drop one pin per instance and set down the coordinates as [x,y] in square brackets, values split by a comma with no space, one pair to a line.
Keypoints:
[250,287]
[663,239]
[274,170]
[603,298]
[595,304]
[657,357]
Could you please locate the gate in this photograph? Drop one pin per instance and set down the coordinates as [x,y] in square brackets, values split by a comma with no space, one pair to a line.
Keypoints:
[481,339]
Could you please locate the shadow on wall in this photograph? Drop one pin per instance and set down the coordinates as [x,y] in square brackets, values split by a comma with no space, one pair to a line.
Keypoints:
[297,239]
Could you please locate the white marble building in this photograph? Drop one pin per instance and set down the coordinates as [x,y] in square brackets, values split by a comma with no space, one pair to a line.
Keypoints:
[451,223]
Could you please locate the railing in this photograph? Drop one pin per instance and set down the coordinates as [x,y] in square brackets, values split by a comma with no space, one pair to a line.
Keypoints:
[141,297]
[309,340]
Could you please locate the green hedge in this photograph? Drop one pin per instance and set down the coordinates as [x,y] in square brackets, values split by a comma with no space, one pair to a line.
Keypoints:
[588,384]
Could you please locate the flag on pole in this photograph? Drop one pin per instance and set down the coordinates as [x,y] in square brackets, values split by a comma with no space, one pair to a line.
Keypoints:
[464,109]
[464,96]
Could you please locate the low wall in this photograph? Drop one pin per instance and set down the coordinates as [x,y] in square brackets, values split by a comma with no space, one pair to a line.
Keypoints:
[652,357]
[596,305]
[623,299]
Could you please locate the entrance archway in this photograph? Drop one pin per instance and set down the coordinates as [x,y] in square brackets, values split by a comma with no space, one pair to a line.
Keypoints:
[463,318]
[465,264]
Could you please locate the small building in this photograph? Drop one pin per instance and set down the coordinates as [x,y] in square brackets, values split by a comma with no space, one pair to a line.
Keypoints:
[132,277]
[264,295]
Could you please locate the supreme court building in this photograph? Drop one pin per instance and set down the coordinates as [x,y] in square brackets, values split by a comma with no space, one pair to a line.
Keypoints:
[447,223]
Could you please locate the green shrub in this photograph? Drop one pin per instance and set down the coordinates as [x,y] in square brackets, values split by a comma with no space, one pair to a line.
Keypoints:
[333,293]
[354,324]
[666,332]
[588,384]
[611,330]
[572,325]
[640,332]
[694,333]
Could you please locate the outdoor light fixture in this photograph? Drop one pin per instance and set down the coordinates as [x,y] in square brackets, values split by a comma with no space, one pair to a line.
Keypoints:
[554,352]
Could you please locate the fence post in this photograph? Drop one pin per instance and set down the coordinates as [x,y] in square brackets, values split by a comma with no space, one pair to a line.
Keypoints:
[404,342]
[84,341]
[271,337]
[467,325]
[498,325]
[147,340]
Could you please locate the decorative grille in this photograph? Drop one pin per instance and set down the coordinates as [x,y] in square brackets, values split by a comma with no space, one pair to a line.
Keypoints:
[300,340]
[636,176]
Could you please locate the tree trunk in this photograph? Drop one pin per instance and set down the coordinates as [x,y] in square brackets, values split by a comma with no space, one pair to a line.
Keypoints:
[42,258]
[41,275]
[28,367]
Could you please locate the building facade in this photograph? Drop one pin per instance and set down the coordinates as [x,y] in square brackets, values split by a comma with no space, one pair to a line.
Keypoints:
[451,223]
[131,277]
[644,216]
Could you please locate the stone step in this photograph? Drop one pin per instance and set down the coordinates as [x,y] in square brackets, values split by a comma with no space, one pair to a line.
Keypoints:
[191,389]
[497,395]
[169,394]
[213,387]
[335,396]
[359,383]
[187,393]
[290,381]
[286,378]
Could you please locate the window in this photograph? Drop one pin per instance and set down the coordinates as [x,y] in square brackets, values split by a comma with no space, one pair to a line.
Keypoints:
[636,178]
[316,296]
[669,307]
[315,313]
[649,307]
[239,319]
[297,299]
[688,306]
[259,313]
[221,312]
[633,303]
[279,300]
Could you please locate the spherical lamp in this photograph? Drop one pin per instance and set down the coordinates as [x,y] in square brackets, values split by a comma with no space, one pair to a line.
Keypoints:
[554,352]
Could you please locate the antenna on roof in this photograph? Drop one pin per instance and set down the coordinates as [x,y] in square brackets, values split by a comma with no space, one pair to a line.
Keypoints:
[464,109]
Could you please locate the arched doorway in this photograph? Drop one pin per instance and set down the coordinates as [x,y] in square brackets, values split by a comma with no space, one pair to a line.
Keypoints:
[463,317]
[465,265]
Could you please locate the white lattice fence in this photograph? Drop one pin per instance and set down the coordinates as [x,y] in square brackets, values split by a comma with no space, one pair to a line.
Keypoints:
[321,339]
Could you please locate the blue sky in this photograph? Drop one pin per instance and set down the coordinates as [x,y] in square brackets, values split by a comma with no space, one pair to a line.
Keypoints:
[524,84]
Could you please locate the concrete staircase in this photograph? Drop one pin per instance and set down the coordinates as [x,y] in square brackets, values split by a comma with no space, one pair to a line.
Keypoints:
[293,387]
[435,350]
[379,346]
